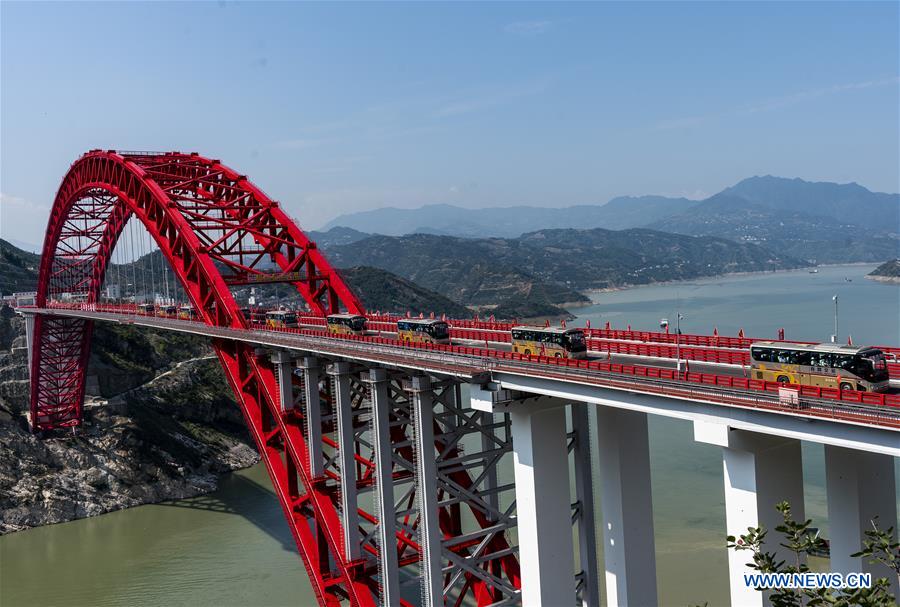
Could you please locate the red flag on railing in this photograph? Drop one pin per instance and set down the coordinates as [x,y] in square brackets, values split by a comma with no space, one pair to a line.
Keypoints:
[444,317]
[629,327]
[547,323]
[421,314]
[849,340]
[607,325]
[408,314]
[741,333]
[781,334]
[562,323]
[588,323]
[492,318]
[715,331]
[431,315]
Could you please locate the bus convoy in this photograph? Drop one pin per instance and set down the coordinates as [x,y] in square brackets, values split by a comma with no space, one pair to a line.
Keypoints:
[825,365]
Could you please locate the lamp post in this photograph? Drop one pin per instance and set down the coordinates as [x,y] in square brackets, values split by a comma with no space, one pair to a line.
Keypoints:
[678,318]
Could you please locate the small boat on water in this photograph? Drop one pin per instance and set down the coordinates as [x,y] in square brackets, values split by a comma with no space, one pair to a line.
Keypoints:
[848,279]
[814,271]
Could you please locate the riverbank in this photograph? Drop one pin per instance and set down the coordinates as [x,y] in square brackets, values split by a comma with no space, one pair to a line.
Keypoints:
[592,293]
[171,436]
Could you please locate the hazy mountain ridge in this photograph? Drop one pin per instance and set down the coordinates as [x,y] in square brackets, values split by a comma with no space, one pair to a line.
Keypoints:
[828,222]
[553,265]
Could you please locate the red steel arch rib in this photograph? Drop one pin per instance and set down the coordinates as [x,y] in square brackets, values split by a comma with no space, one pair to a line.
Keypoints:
[216,229]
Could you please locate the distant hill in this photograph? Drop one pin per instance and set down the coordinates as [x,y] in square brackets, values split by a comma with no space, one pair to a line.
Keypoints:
[844,202]
[792,233]
[509,222]
[889,271]
[826,222]
[18,269]
[387,292]
[336,236]
[552,266]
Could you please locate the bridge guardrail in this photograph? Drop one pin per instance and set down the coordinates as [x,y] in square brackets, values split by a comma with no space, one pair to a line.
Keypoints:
[485,357]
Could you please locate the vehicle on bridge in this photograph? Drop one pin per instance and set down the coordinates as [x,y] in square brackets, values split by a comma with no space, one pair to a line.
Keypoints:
[423,330]
[147,308]
[187,312]
[281,319]
[549,341]
[846,367]
[170,311]
[346,324]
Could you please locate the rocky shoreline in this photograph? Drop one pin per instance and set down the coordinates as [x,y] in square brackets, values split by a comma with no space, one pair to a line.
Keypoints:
[169,436]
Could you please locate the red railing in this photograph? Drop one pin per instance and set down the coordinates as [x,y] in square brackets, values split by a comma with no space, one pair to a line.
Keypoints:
[689,377]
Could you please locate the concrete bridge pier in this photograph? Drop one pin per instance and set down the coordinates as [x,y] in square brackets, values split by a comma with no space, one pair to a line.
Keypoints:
[312,413]
[860,487]
[284,370]
[759,472]
[541,465]
[420,390]
[340,373]
[627,506]
[29,337]
[384,487]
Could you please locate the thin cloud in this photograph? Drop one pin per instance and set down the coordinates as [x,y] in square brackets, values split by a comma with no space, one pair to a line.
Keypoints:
[774,103]
[527,28]
[485,99]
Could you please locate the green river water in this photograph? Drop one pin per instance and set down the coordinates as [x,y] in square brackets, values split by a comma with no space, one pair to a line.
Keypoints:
[232,547]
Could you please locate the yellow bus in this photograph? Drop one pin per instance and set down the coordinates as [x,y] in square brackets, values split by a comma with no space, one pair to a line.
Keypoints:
[825,365]
[549,341]
[423,330]
[280,319]
[147,308]
[346,324]
[169,311]
[187,313]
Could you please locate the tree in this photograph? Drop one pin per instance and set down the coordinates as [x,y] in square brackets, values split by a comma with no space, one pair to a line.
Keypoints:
[800,539]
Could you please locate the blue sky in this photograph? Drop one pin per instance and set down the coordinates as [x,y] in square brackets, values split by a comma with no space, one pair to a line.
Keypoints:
[341,107]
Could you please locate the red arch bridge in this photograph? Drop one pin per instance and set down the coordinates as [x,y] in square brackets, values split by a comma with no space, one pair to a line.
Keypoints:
[385,456]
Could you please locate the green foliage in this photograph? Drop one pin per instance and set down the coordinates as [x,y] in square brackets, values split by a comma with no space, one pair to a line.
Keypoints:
[802,542]
[890,269]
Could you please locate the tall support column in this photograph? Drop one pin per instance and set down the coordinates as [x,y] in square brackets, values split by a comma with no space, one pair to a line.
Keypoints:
[541,465]
[426,490]
[346,461]
[313,415]
[860,487]
[29,337]
[626,501]
[759,471]
[490,478]
[584,493]
[384,489]
[284,371]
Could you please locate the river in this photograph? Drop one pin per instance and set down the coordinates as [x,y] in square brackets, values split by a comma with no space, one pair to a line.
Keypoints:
[233,548]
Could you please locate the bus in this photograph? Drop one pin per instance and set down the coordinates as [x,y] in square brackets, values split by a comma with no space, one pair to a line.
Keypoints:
[847,367]
[146,308]
[549,341]
[423,330]
[170,311]
[280,319]
[187,312]
[346,324]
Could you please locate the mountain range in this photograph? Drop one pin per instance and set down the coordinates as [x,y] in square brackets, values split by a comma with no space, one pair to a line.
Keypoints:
[815,221]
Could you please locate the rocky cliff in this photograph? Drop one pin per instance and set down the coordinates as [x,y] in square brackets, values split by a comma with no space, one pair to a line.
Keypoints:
[152,432]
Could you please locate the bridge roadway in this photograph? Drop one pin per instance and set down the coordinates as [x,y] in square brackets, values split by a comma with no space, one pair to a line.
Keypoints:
[476,364]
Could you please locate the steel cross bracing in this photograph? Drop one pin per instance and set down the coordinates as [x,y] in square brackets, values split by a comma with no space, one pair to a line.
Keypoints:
[476,557]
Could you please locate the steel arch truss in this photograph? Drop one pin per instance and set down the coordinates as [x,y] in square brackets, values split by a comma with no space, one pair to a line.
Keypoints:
[216,229]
